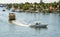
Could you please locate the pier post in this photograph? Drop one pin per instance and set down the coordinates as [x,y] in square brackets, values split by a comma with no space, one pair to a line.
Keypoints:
[12,16]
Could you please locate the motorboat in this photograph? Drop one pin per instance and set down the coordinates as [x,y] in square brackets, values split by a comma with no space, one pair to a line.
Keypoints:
[12,16]
[3,10]
[38,25]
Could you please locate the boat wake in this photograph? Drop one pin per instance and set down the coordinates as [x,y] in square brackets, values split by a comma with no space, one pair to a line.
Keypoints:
[20,24]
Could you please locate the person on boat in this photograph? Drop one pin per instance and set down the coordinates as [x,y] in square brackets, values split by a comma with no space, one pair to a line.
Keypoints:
[37,24]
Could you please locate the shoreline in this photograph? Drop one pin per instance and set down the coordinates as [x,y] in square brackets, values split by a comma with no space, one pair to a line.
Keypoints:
[38,11]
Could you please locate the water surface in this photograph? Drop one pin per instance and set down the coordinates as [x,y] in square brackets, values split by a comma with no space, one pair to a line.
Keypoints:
[8,29]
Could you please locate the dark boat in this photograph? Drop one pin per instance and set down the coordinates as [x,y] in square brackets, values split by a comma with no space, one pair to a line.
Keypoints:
[3,10]
[11,16]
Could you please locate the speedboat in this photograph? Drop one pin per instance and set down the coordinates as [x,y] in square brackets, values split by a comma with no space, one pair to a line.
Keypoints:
[3,10]
[39,25]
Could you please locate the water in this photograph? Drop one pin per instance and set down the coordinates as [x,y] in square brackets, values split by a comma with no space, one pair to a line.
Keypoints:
[8,29]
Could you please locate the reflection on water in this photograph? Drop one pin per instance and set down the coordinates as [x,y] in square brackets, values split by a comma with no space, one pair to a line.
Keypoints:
[8,29]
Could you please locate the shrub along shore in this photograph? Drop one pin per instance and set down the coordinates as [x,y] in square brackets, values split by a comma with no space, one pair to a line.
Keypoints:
[35,7]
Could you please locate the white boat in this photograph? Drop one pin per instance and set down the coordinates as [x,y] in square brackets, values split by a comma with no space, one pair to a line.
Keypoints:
[38,25]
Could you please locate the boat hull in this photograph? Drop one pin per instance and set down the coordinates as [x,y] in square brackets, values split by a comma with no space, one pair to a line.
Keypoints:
[38,26]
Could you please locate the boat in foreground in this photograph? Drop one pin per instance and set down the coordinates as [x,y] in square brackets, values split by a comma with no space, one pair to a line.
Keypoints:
[38,25]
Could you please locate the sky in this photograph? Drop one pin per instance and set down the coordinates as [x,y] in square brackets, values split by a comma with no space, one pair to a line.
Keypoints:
[23,1]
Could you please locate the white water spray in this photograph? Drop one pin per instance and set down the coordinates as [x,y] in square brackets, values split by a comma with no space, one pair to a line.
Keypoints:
[20,24]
